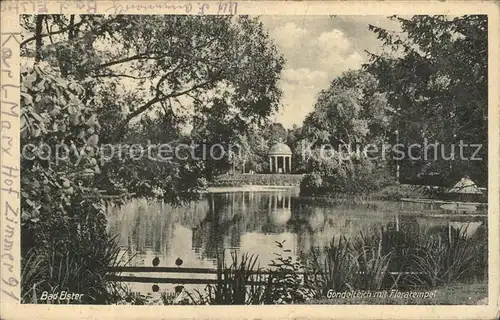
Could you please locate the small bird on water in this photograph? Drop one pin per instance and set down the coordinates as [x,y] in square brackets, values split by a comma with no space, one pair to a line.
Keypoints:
[178,262]
[156,261]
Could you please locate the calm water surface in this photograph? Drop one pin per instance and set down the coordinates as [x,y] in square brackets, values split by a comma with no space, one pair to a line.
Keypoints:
[251,222]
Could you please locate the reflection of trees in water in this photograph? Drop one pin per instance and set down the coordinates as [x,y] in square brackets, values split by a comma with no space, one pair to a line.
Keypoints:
[218,221]
[233,214]
[142,224]
[317,225]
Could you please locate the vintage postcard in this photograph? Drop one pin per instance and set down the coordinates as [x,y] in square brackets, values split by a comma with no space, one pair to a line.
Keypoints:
[315,159]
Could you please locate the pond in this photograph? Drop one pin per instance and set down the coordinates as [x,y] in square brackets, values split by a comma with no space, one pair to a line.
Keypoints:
[252,221]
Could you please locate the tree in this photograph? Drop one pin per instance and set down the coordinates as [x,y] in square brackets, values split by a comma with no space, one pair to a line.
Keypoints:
[89,81]
[350,112]
[277,133]
[348,116]
[435,73]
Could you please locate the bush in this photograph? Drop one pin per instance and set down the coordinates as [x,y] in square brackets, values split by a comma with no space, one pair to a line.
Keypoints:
[358,176]
[365,262]
[258,179]
[399,191]
[312,184]
[286,279]
[81,269]
[237,283]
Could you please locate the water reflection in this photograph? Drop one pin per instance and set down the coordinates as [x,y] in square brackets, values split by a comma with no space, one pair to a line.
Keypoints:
[251,222]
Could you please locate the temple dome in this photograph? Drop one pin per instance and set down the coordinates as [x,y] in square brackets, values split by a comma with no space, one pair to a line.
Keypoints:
[280,149]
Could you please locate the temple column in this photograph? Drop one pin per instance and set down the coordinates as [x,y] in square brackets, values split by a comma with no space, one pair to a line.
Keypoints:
[276,164]
[270,164]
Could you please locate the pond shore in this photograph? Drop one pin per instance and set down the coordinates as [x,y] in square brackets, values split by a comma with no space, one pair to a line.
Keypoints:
[245,188]
[474,293]
[435,213]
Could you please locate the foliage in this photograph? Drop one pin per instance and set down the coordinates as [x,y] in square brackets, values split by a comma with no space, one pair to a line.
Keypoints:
[351,111]
[397,259]
[80,270]
[258,179]
[435,74]
[416,90]
[348,116]
[372,264]
[91,82]
[333,271]
[312,184]
[335,175]
[237,283]
[60,213]
[446,259]
[288,278]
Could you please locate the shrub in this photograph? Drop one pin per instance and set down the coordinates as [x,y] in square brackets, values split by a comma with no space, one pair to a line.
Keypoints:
[312,184]
[397,259]
[444,259]
[237,283]
[287,282]
[258,179]
[82,269]
[356,176]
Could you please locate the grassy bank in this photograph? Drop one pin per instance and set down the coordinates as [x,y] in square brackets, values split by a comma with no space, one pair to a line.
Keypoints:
[394,192]
[466,293]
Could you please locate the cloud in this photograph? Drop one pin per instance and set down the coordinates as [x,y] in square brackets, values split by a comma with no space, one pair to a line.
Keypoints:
[333,40]
[317,50]
[305,76]
[289,35]
[337,63]
[297,102]
[336,53]
[300,87]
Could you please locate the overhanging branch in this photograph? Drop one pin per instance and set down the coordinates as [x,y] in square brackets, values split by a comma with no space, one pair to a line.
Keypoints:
[150,103]
[50,34]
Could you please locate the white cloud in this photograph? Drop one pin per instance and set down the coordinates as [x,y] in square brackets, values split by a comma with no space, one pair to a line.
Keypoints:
[335,53]
[297,102]
[336,63]
[334,40]
[316,52]
[300,87]
[289,35]
[305,76]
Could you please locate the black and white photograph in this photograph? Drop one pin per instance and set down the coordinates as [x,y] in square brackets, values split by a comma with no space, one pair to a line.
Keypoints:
[234,159]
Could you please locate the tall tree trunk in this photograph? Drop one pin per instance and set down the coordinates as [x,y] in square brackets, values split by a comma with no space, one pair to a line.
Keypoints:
[38,39]
[66,66]
[71,33]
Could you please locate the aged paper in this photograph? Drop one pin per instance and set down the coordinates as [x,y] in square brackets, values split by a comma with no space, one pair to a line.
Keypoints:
[253,159]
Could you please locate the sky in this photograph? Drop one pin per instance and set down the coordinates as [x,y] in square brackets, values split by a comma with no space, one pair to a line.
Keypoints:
[317,49]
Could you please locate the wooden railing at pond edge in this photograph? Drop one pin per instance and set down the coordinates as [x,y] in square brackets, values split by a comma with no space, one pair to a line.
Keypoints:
[114,277]
[140,279]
